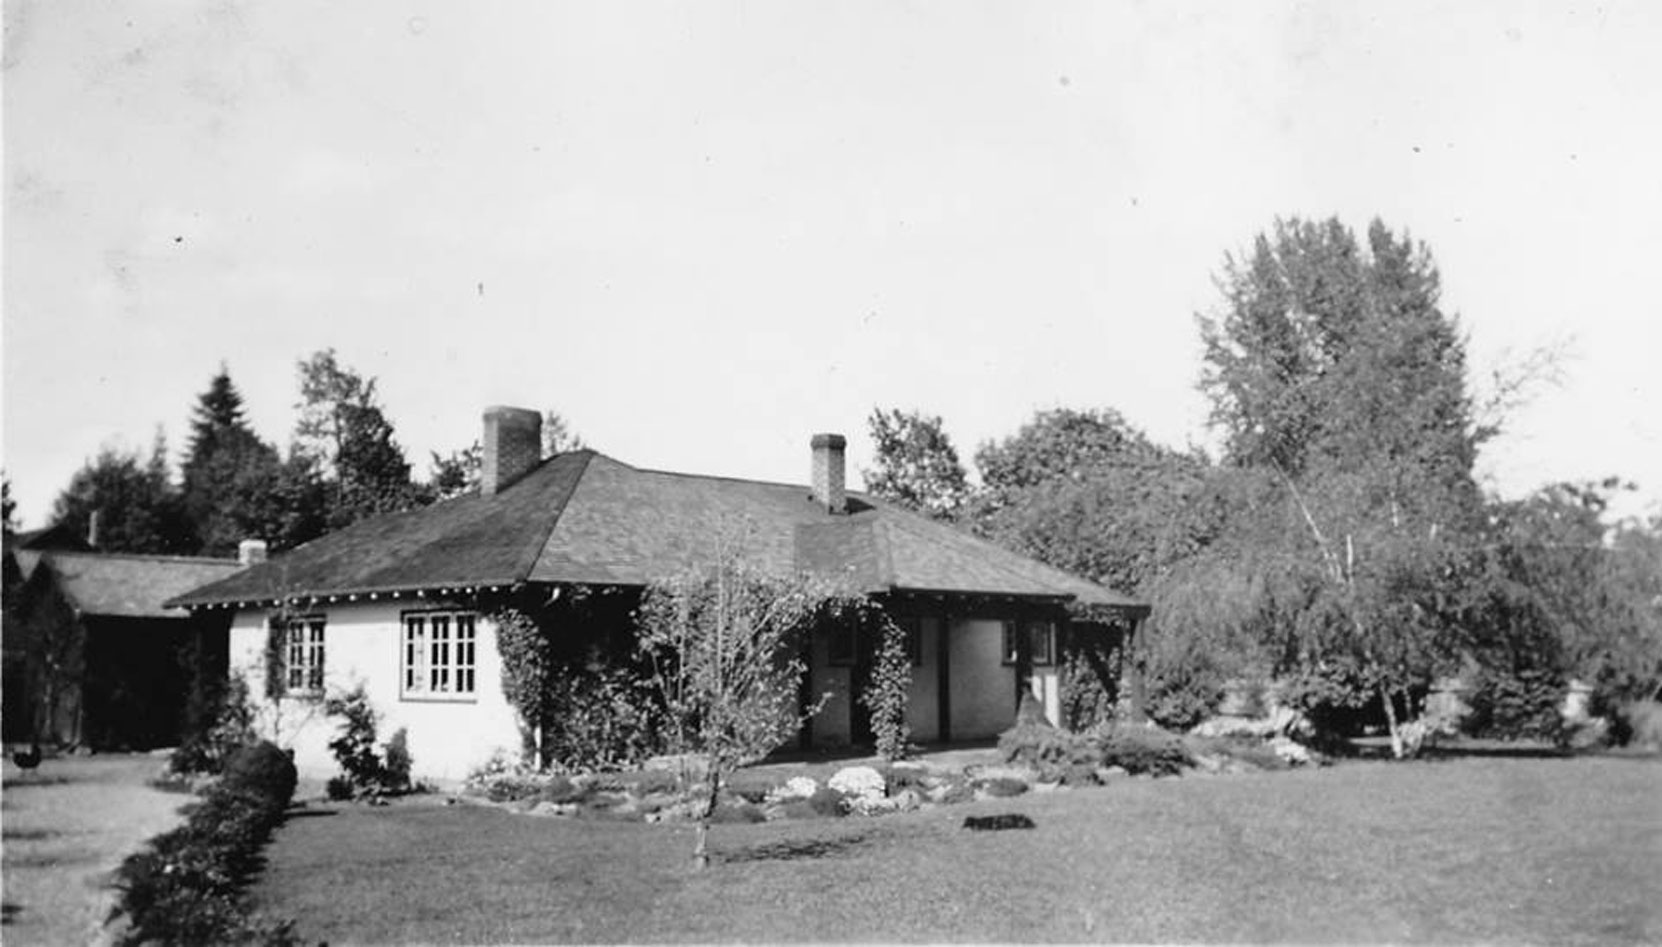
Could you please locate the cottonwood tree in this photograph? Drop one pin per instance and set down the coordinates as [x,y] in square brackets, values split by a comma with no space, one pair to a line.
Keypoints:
[725,641]
[1333,370]
[917,466]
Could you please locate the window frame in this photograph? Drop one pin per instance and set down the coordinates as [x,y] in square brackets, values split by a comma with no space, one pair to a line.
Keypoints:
[304,655]
[441,665]
[1037,657]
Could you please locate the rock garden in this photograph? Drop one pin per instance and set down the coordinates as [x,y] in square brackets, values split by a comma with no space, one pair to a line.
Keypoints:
[1032,757]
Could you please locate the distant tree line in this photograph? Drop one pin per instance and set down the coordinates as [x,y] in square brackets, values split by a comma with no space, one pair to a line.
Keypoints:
[343,463]
[1340,545]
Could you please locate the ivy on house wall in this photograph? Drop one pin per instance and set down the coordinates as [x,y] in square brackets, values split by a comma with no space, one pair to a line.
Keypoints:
[887,691]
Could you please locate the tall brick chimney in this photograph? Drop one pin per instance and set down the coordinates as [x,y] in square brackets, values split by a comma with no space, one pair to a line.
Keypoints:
[513,445]
[828,472]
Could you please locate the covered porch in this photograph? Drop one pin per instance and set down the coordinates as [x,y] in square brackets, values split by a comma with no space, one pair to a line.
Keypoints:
[973,657]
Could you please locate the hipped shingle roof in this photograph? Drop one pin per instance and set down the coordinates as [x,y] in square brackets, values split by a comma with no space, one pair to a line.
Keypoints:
[585,518]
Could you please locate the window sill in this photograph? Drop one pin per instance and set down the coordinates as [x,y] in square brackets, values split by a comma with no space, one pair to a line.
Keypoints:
[421,698]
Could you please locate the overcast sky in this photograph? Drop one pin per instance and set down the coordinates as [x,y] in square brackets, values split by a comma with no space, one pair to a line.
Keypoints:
[705,231]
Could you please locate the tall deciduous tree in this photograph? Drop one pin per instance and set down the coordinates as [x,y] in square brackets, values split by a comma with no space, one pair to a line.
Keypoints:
[138,508]
[1333,368]
[917,466]
[344,431]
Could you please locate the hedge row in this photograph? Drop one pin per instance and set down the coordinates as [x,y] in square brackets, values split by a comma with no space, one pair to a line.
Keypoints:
[186,887]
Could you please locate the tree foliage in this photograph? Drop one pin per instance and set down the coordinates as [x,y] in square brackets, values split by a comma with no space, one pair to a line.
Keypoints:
[1087,492]
[1333,370]
[917,466]
[139,509]
[235,485]
[8,506]
[343,430]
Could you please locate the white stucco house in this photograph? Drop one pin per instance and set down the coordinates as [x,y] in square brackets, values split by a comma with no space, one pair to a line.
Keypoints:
[400,603]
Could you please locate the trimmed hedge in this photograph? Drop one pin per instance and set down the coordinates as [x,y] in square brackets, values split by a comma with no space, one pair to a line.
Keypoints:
[186,887]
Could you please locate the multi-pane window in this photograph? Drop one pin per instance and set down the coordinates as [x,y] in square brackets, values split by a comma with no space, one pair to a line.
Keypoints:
[303,656]
[1040,642]
[439,654]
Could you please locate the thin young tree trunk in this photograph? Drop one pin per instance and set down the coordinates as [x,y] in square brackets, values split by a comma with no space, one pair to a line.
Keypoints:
[1397,750]
[701,853]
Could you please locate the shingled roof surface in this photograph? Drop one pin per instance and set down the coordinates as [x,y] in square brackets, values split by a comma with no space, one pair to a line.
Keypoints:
[130,586]
[583,517]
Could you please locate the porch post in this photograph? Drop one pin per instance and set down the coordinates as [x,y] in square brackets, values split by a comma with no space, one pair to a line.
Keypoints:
[805,693]
[943,677]
[1132,665]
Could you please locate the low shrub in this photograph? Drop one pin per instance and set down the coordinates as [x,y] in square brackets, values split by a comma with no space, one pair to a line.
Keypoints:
[1048,750]
[828,802]
[735,811]
[186,886]
[395,774]
[1078,776]
[220,721]
[1515,704]
[1142,749]
[752,787]
[901,778]
[1639,725]
[957,791]
[368,771]
[1002,786]
[650,781]
[560,789]
[799,809]
[339,789]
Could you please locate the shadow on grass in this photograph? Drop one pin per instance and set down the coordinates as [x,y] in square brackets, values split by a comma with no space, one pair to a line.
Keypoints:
[300,813]
[795,849]
[1521,752]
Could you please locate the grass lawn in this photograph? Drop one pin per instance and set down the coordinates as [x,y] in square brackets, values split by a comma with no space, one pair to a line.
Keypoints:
[1558,851]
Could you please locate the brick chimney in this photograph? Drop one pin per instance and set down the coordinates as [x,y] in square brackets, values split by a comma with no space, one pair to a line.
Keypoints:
[251,552]
[828,472]
[513,445]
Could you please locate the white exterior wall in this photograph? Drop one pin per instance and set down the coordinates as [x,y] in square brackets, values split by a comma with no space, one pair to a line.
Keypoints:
[983,687]
[363,644]
[923,707]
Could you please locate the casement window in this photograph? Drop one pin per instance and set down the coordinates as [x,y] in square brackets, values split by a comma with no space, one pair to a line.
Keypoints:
[438,656]
[1041,642]
[303,656]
